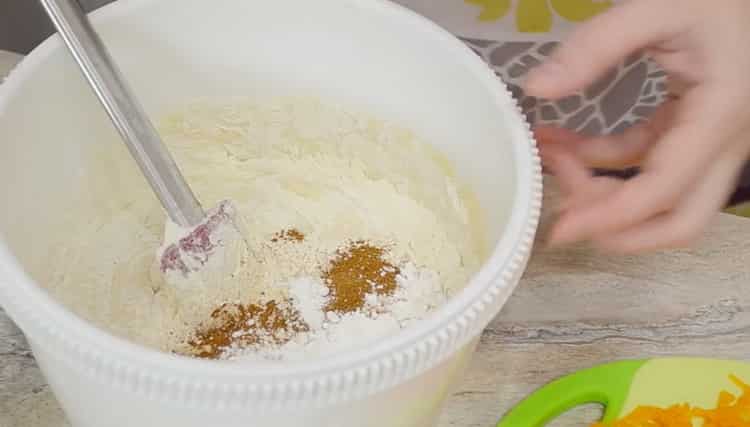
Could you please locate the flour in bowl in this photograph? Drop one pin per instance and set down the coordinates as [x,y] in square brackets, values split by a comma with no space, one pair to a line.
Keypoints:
[357,229]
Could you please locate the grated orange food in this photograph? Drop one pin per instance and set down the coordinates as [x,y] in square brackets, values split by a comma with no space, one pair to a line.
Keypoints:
[730,411]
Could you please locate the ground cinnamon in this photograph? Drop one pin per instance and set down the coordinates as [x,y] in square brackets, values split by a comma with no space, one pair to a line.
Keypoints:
[244,326]
[357,271]
[290,235]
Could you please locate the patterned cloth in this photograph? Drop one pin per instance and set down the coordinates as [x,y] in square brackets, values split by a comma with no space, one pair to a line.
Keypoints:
[513,36]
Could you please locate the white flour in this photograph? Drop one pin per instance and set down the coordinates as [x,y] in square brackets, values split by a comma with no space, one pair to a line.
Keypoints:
[334,175]
[419,292]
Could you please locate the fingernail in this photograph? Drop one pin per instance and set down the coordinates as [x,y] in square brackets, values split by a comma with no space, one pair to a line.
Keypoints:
[561,234]
[543,76]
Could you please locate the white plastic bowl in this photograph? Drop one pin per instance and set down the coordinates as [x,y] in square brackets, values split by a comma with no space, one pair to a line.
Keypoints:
[369,54]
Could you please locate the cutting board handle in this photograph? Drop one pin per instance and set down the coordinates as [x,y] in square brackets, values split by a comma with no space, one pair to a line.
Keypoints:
[607,385]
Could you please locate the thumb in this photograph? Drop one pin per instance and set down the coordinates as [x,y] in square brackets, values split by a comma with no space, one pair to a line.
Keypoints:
[600,44]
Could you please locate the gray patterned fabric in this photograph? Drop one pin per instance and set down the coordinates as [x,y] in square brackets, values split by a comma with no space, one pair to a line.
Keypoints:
[626,95]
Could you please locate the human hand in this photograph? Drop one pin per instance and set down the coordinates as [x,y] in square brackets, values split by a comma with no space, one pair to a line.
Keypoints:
[692,149]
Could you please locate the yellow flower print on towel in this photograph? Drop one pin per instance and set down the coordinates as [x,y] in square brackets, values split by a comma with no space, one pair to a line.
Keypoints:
[492,10]
[535,16]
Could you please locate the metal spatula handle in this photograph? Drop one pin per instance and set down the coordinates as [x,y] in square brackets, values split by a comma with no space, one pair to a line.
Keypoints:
[128,116]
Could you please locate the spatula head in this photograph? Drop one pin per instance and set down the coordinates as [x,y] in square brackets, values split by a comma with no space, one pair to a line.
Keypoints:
[189,250]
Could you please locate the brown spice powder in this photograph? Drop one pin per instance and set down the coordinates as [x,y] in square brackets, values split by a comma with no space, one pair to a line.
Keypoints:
[246,325]
[356,272]
[290,235]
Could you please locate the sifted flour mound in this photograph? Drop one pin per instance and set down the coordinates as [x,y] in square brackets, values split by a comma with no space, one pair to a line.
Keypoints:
[309,182]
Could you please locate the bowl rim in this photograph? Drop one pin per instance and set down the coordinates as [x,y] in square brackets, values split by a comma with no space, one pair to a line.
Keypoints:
[451,325]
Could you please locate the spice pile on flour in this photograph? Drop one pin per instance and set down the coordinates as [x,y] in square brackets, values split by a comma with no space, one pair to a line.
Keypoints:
[356,229]
[358,295]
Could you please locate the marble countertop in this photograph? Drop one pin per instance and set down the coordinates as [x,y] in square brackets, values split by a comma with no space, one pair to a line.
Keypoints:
[574,308]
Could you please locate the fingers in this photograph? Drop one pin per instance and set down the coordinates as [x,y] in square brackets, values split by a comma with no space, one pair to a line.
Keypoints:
[685,223]
[577,184]
[673,165]
[572,175]
[676,87]
[613,151]
[595,47]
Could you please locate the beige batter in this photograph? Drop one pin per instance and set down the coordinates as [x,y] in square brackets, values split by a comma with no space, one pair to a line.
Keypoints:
[333,175]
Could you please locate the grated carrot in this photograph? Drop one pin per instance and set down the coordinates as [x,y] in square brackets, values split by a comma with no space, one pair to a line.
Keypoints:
[730,411]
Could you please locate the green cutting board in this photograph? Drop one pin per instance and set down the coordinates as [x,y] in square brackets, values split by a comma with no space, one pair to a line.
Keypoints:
[622,386]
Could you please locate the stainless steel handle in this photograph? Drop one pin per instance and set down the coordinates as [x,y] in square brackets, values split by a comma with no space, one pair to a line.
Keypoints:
[128,116]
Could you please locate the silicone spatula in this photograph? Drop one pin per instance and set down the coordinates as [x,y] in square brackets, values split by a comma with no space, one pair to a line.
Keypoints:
[623,386]
[195,241]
